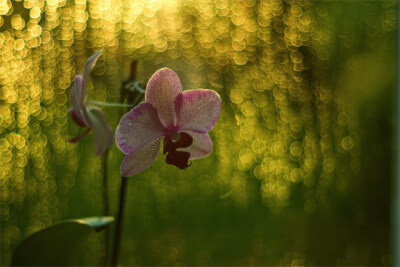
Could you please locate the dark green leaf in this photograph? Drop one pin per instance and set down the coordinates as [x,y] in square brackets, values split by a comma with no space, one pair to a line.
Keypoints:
[59,244]
[97,223]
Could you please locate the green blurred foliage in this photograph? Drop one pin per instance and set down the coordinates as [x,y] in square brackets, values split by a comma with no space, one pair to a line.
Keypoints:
[300,173]
[58,245]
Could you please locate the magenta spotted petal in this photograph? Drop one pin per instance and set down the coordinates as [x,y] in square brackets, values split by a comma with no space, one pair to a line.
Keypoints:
[181,119]
[91,118]
[197,110]
[163,87]
[136,162]
[138,127]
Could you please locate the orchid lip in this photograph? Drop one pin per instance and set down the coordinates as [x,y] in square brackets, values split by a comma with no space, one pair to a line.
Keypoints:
[174,157]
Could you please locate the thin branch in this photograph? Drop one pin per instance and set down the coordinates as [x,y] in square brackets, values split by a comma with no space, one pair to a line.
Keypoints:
[108,104]
[120,216]
[130,96]
[106,209]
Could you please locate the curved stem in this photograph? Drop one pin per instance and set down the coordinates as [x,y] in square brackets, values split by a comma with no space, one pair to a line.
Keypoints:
[120,216]
[136,85]
[79,137]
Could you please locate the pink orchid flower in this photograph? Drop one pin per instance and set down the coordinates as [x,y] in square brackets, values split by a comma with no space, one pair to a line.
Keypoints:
[86,116]
[183,119]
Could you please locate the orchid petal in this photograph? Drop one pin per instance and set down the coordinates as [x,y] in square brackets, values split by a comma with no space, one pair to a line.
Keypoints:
[138,127]
[76,92]
[140,159]
[78,100]
[163,87]
[197,110]
[201,146]
[89,64]
[75,117]
[102,132]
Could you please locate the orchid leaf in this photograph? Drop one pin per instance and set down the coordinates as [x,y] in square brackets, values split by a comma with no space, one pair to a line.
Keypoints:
[59,244]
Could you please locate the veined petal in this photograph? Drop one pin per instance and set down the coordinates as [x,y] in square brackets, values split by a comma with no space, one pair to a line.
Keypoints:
[163,87]
[138,127]
[89,64]
[201,146]
[102,132]
[197,110]
[140,159]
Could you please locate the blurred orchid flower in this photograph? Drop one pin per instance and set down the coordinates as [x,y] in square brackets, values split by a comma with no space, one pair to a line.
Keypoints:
[183,119]
[86,116]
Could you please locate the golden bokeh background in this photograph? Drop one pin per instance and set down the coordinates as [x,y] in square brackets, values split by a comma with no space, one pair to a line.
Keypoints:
[300,173]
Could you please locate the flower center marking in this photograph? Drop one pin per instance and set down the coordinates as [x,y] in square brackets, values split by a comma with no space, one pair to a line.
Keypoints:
[172,142]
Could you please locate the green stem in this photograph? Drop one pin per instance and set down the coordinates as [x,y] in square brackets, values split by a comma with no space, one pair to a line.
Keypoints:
[127,95]
[136,85]
[120,216]
[106,209]
[108,104]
